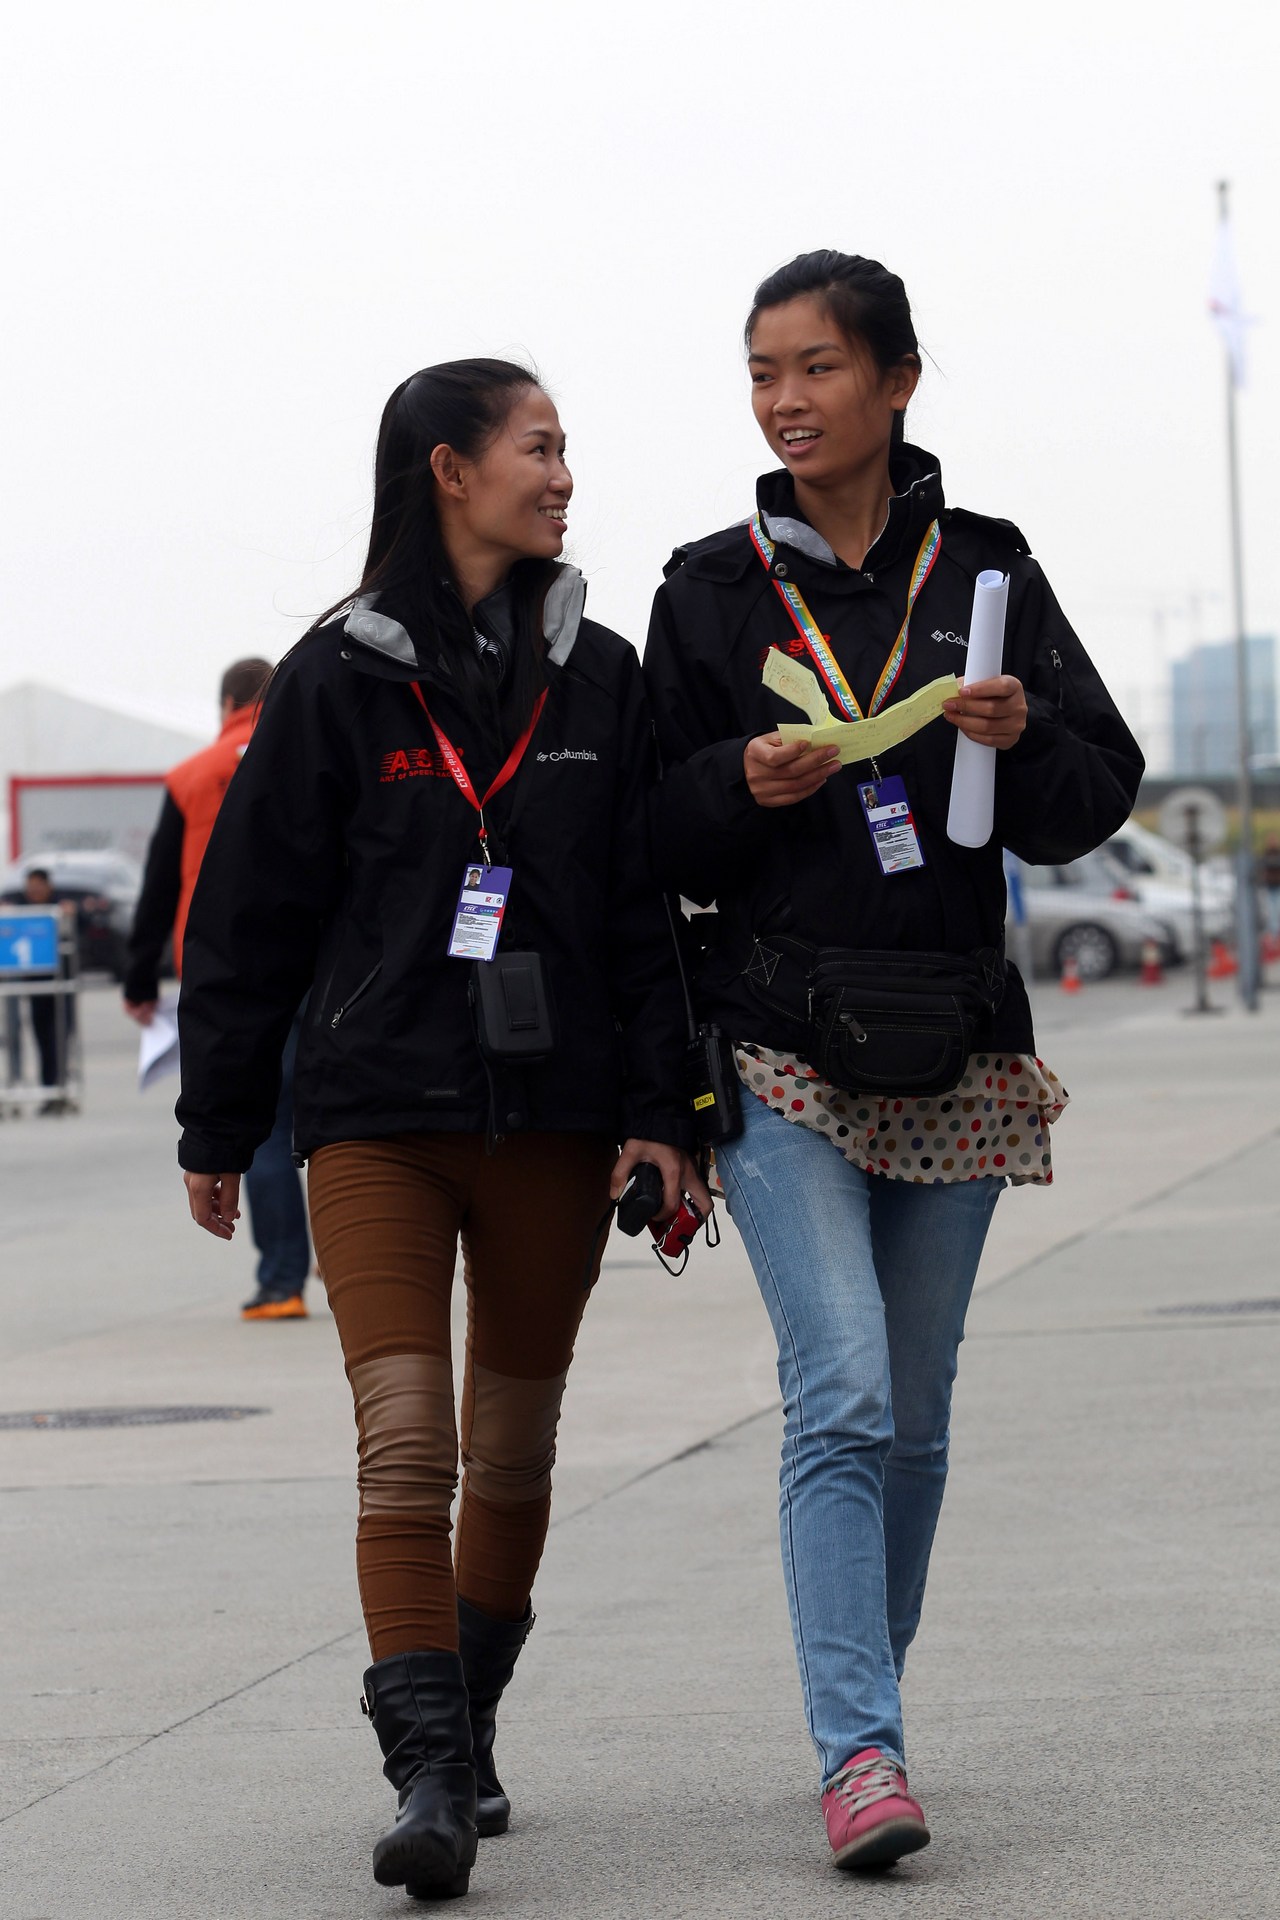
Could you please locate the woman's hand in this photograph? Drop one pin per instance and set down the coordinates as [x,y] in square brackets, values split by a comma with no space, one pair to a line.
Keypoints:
[779,775]
[214,1199]
[679,1176]
[991,712]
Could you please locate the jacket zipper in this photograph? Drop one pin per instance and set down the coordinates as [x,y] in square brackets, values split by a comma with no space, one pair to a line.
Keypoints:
[1056,658]
[359,992]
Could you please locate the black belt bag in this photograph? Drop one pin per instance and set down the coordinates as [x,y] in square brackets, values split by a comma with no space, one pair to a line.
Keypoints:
[883,1023]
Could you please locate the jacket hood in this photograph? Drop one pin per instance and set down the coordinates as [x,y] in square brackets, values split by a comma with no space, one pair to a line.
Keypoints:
[561,620]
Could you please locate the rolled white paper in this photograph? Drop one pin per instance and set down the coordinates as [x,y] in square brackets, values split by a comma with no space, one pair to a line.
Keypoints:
[973,781]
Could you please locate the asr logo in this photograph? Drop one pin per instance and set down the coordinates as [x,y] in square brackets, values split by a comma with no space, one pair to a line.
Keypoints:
[412,763]
[795,648]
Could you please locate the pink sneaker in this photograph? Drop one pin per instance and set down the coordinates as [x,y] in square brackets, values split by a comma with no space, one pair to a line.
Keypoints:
[871,1818]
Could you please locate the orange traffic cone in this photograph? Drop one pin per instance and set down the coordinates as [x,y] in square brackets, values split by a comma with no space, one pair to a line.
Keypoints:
[1152,974]
[1222,962]
[1071,981]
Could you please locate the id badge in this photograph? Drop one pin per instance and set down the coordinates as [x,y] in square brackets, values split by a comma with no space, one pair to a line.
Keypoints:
[892,829]
[481,905]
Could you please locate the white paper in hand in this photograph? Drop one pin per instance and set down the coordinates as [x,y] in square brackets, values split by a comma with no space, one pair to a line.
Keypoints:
[158,1048]
[973,781]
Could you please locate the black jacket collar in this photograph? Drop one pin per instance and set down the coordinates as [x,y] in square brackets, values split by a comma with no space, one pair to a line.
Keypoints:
[916,477]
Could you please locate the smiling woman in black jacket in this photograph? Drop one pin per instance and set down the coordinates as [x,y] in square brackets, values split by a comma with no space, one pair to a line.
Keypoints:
[857,960]
[458,762]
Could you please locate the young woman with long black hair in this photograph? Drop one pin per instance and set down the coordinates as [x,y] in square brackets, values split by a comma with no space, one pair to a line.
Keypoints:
[885,1047]
[453,763]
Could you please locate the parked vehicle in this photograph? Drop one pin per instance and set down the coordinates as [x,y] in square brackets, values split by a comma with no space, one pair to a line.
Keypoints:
[104,888]
[1145,853]
[1159,874]
[1083,911]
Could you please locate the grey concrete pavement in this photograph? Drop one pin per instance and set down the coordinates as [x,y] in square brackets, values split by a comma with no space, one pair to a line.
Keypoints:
[1092,1703]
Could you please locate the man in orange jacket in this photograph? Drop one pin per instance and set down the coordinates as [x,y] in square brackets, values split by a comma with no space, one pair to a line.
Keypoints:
[193,794]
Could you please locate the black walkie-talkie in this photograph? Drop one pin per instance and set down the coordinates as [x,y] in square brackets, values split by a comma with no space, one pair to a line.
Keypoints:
[714,1086]
[711,1078]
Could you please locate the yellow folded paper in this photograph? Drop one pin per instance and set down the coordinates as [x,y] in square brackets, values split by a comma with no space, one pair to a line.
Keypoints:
[856,739]
[797,684]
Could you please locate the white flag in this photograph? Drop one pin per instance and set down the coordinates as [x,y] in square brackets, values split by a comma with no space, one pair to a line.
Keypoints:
[1224,300]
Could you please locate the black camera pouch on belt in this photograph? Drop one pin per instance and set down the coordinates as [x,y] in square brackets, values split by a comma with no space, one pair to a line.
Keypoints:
[881,1023]
[512,1008]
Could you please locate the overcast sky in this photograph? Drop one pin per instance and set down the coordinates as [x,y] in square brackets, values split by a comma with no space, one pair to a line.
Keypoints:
[229,230]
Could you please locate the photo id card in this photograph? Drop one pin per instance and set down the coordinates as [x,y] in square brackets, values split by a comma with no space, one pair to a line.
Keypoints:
[481,905]
[892,829]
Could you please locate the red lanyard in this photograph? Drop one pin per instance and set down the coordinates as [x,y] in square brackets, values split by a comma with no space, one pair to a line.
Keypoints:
[462,779]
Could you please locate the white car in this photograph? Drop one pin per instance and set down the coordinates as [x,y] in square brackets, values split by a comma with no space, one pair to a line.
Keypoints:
[1082,911]
[1160,875]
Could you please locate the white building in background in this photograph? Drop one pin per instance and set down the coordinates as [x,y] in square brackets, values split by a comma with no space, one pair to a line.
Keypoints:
[1206,729]
[46,733]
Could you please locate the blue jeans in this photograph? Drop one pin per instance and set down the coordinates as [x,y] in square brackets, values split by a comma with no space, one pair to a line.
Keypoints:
[867,1282]
[273,1191]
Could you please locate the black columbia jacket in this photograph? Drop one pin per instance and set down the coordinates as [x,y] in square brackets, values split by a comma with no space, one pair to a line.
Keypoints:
[335,867]
[810,870]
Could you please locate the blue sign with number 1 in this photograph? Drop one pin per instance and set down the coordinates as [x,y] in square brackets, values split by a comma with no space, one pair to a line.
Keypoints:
[28,941]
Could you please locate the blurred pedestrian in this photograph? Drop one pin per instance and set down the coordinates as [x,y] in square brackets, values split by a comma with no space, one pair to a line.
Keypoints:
[857,961]
[472,1055]
[1269,884]
[52,1015]
[194,792]
[13,1039]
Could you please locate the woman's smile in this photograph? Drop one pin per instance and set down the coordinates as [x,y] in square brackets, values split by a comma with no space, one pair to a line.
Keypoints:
[796,442]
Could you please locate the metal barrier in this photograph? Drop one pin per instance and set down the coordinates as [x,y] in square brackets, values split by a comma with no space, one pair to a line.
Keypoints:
[39,961]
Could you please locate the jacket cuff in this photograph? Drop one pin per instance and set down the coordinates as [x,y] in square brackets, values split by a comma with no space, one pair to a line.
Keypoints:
[728,756]
[206,1153]
[660,1124]
[1040,734]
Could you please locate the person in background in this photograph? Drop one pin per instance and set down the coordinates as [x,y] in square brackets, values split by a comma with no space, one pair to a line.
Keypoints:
[193,795]
[1269,884]
[864,1209]
[13,1038]
[53,1039]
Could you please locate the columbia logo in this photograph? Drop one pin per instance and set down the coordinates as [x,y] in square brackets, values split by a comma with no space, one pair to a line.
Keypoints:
[952,639]
[568,753]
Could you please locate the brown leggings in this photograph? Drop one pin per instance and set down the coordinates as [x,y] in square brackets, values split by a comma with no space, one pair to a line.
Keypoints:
[387,1216]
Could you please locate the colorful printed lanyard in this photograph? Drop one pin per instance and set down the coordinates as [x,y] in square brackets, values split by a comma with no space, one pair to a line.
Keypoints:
[462,779]
[816,641]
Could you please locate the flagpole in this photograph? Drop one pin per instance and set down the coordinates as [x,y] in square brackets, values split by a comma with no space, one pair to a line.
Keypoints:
[1246,898]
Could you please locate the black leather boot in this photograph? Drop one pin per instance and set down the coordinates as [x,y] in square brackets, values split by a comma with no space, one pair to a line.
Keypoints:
[489,1649]
[418,1705]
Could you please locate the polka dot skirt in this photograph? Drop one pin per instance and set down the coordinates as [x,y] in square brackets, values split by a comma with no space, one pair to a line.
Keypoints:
[995,1123]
